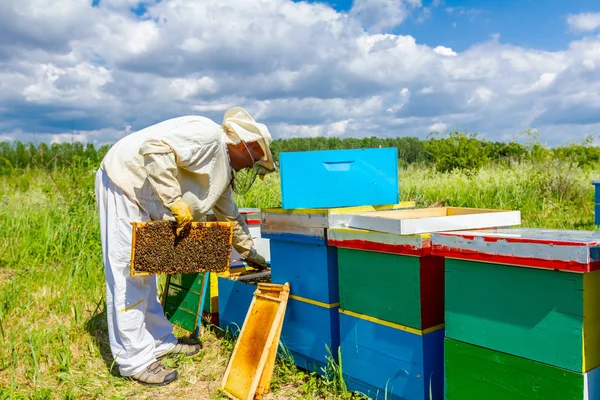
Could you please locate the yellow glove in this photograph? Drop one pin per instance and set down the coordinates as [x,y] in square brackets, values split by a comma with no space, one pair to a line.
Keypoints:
[182,213]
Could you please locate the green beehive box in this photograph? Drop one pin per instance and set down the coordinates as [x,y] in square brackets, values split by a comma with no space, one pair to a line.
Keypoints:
[405,290]
[475,373]
[548,316]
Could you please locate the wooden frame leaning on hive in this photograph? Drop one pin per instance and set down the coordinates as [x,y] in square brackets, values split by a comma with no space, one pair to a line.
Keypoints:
[193,225]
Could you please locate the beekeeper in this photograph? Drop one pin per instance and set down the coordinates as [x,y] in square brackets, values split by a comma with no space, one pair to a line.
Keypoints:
[178,170]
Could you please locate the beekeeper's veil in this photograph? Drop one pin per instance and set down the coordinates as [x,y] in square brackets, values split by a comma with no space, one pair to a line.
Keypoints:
[240,126]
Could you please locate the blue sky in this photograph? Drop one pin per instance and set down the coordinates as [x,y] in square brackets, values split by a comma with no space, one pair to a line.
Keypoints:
[96,70]
[460,23]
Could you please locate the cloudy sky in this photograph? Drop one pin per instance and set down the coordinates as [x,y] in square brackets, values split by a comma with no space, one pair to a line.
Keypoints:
[95,70]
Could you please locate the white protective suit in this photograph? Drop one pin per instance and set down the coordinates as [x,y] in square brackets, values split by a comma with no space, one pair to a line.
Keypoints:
[140,177]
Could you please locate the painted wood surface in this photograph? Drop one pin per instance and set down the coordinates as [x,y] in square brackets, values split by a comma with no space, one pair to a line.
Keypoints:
[591,320]
[335,176]
[291,233]
[322,217]
[592,384]
[308,329]
[417,245]
[396,288]
[535,314]
[311,331]
[234,300]
[310,269]
[576,251]
[427,220]
[475,373]
[384,362]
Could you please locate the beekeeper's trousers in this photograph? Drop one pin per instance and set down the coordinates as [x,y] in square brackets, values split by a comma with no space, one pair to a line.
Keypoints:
[137,327]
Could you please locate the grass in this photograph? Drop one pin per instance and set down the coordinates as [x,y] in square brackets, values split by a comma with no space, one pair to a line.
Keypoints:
[52,318]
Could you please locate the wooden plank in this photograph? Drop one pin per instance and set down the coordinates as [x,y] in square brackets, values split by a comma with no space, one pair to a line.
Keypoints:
[591,321]
[535,314]
[359,239]
[183,298]
[383,286]
[177,316]
[410,222]
[577,251]
[475,373]
[253,349]
[187,281]
[321,217]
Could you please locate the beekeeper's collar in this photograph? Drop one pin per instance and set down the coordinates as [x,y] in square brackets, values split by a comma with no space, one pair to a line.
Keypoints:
[240,126]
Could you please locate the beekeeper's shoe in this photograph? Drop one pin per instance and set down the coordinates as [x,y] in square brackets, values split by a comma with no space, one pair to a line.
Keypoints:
[156,374]
[187,350]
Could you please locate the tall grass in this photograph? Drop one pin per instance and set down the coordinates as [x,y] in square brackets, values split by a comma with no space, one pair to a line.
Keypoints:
[52,320]
[549,194]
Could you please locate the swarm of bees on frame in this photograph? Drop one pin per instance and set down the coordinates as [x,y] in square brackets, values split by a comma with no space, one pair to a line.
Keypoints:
[158,250]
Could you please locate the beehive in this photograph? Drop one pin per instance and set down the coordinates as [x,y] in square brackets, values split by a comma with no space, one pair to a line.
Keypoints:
[335,176]
[474,372]
[391,313]
[521,301]
[389,361]
[203,246]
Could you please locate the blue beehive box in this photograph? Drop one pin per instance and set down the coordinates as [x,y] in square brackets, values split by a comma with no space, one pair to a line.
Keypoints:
[311,334]
[234,301]
[391,362]
[339,178]
[309,268]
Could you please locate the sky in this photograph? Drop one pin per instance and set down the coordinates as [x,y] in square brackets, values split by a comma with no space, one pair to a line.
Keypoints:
[97,70]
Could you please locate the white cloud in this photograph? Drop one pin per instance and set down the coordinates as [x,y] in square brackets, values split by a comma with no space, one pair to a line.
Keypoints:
[380,15]
[444,51]
[302,68]
[438,127]
[584,22]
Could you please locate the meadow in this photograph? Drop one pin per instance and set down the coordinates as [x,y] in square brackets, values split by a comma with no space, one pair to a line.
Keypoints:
[52,319]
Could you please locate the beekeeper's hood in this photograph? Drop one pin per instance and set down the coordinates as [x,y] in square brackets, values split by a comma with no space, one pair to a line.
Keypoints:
[240,126]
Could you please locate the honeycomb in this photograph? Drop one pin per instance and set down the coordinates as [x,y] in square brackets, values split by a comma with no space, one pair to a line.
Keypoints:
[200,247]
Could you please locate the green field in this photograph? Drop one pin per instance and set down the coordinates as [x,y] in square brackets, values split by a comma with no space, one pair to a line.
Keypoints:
[52,318]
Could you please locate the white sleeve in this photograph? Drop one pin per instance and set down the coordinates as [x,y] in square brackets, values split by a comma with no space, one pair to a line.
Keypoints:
[225,209]
[161,167]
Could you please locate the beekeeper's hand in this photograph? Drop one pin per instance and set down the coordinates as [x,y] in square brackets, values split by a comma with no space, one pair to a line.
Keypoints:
[256,260]
[182,213]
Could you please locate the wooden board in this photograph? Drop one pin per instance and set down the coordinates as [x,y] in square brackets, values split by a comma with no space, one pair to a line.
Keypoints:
[427,220]
[293,233]
[321,217]
[576,251]
[400,289]
[251,365]
[391,363]
[475,373]
[530,313]
[359,239]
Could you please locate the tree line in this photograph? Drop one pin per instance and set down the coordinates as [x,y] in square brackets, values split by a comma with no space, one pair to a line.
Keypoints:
[454,150]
